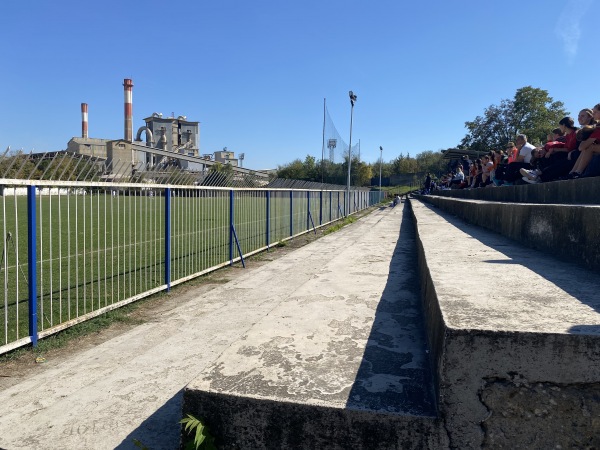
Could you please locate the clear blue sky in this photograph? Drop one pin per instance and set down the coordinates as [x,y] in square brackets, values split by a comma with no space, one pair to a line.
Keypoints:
[255,73]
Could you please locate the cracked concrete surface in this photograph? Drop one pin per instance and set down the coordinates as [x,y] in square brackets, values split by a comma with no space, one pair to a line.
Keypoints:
[497,310]
[347,347]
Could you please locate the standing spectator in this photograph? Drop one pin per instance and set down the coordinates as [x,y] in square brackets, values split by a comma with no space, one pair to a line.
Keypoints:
[466,163]
[428,183]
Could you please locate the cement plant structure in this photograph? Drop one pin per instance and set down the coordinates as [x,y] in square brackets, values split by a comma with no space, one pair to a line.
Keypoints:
[169,142]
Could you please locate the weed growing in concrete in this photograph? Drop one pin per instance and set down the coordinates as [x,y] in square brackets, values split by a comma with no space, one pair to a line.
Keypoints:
[202,439]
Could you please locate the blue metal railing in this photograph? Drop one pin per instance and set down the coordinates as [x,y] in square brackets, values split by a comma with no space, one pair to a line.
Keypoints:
[197,236]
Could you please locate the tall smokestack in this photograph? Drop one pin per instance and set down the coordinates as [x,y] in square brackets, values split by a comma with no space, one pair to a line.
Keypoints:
[128,84]
[84,120]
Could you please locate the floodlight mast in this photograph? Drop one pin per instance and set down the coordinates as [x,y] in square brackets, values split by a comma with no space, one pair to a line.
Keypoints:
[380,162]
[353,97]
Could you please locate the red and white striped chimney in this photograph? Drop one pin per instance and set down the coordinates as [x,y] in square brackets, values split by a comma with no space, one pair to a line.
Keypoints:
[84,120]
[128,84]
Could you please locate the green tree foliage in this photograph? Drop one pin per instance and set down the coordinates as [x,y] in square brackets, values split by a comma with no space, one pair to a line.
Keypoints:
[362,173]
[217,167]
[429,161]
[404,164]
[532,111]
[293,171]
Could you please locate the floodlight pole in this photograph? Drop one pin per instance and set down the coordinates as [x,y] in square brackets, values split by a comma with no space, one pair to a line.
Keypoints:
[380,162]
[323,148]
[352,100]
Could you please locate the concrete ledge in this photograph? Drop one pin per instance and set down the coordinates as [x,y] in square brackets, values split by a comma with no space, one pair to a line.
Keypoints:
[584,191]
[571,232]
[245,422]
[515,338]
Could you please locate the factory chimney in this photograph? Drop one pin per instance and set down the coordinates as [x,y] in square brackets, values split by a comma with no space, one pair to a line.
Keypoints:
[128,84]
[84,120]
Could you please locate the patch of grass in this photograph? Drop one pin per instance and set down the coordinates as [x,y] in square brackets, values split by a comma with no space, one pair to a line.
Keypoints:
[62,338]
[341,224]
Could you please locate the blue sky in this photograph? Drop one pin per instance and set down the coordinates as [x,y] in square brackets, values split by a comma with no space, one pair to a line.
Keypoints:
[255,73]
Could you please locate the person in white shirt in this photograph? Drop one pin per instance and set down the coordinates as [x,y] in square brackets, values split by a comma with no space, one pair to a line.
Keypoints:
[525,149]
[522,161]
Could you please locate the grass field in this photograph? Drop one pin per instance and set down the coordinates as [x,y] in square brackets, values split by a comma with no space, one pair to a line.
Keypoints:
[97,249]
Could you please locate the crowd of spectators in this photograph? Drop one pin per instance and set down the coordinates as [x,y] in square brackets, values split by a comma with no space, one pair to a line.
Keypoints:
[570,152]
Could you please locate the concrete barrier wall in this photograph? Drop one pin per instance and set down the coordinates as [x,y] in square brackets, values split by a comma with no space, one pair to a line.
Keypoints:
[571,232]
[245,422]
[522,388]
[584,191]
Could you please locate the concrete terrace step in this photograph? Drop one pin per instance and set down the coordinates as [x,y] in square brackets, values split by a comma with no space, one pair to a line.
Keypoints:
[583,191]
[341,362]
[515,337]
[569,231]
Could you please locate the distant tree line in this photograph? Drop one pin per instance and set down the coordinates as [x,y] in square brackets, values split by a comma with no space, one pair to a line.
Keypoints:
[362,173]
[531,111]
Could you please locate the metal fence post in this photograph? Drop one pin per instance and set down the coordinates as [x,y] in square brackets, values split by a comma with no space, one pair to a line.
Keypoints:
[291,213]
[308,210]
[168,238]
[268,216]
[31,263]
[321,208]
[231,227]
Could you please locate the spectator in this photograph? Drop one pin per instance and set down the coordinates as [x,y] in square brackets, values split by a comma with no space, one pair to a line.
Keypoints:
[497,174]
[560,156]
[589,147]
[586,117]
[512,151]
[522,160]
[457,179]
[466,163]
[428,183]
[558,135]
[478,171]
[487,166]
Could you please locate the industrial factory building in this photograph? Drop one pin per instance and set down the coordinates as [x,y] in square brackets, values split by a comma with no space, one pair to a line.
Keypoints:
[168,140]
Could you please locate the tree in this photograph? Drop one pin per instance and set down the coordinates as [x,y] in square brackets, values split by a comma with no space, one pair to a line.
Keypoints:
[532,112]
[403,164]
[361,173]
[429,161]
[293,171]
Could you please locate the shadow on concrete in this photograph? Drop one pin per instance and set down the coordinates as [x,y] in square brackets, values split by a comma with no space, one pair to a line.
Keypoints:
[585,329]
[159,431]
[582,284]
[395,375]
